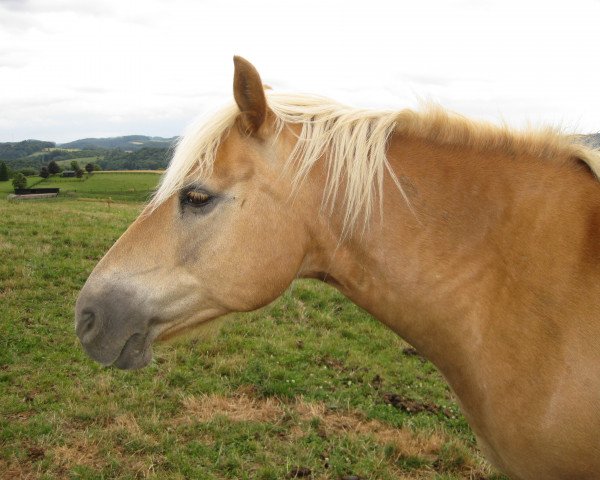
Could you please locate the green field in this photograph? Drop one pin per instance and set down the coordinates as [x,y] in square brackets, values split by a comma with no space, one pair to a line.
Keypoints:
[121,186]
[6,187]
[308,387]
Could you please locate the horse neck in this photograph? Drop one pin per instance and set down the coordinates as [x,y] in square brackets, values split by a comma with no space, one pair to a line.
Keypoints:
[486,237]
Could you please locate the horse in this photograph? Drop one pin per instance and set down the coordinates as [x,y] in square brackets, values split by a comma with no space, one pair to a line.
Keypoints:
[477,244]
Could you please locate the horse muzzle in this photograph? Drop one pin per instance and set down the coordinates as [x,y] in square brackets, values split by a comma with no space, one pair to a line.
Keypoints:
[113,326]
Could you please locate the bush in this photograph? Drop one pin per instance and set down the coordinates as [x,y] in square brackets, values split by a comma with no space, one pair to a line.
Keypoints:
[28,172]
[3,172]
[44,173]
[54,168]
[79,173]
[89,168]
[20,181]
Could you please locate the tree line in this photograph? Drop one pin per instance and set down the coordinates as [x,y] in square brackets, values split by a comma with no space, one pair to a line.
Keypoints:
[19,178]
[146,158]
[14,150]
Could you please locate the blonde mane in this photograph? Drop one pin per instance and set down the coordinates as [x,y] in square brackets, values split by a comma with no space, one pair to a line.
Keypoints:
[355,141]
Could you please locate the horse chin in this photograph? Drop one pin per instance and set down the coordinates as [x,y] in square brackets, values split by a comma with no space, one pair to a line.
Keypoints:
[136,353]
[203,325]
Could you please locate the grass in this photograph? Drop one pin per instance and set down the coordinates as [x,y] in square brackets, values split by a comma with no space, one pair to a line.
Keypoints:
[7,187]
[133,186]
[308,387]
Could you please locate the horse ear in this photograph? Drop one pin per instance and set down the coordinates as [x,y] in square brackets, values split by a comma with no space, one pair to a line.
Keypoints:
[249,94]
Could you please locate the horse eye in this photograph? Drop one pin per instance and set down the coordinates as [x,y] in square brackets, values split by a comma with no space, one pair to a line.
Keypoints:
[194,197]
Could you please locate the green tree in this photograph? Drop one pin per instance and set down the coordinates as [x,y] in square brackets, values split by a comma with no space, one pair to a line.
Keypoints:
[79,173]
[44,173]
[74,165]
[89,168]
[3,172]
[53,168]
[14,150]
[97,168]
[19,181]
[28,172]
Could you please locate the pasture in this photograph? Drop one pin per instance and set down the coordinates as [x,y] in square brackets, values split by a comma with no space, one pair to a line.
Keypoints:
[7,187]
[125,187]
[308,387]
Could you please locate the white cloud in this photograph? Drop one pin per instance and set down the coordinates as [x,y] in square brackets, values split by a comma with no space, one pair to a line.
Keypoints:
[72,68]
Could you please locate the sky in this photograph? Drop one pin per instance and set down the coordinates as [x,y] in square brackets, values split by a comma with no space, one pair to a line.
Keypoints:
[71,69]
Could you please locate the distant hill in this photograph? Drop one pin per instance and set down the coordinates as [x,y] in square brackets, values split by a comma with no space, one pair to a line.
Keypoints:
[14,150]
[127,143]
[132,152]
[146,158]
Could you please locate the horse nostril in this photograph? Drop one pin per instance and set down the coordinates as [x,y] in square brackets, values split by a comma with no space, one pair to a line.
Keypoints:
[86,326]
[87,321]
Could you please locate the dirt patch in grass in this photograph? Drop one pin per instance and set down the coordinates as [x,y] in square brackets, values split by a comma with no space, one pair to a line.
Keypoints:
[405,440]
[301,417]
[245,408]
[65,457]
[240,408]
[81,452]
[82,448]
[11,471]
[21,416]
[126,422]
[6,246]
[412,406]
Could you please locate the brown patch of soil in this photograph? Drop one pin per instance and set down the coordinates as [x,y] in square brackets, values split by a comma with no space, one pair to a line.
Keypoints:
[11,471]
[35,453]
[412,406]
[335,423]
[301,417]
[333,363]
[81,453]
[299,472]
[376,382]
[241,408]
[128,423]
[21,416]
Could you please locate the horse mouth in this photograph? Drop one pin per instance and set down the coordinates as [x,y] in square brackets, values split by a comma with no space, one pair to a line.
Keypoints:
[135,354]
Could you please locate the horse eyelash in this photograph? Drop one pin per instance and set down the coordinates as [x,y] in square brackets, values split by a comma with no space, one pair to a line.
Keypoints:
[202,197]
